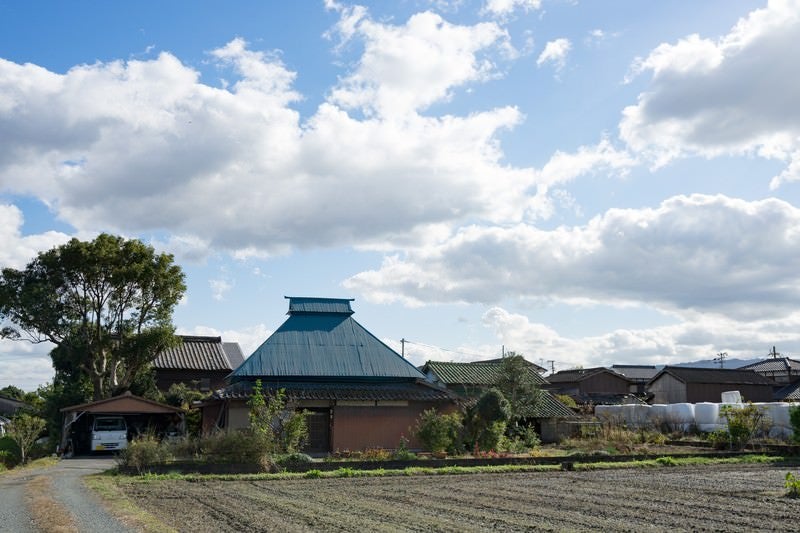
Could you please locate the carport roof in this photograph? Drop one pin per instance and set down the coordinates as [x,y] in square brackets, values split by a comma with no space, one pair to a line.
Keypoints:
[123,404]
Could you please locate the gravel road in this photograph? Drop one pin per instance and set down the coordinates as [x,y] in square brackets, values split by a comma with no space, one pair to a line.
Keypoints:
[68,489]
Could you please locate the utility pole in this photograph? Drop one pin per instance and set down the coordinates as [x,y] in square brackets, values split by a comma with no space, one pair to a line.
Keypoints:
[403,348]
[503,350]
[552,366]
[721,359]
[774,353]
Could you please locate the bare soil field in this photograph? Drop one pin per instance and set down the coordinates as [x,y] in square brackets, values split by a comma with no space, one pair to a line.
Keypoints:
[708,498]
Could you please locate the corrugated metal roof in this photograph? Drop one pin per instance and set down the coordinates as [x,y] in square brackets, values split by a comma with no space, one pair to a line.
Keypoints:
[345,391]
[780,364]
[319,305]
[715,375]
[324,345]
[486,373]
[196,353]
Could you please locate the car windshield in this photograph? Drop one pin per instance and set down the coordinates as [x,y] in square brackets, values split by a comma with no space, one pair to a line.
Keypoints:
[109,424]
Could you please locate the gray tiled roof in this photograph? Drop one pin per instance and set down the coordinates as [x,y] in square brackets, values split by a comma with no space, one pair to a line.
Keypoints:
[579,374]
[780,364]
[636,372]
[414,391]
[715,375]
[789,393]
[197,353]
[234,353]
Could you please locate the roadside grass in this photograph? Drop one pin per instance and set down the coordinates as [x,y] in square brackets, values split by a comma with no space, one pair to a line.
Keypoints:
[42,462]
[48,515]
[120,506]
[660,462]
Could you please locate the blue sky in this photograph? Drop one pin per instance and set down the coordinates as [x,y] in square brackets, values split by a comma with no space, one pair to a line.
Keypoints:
[584,182]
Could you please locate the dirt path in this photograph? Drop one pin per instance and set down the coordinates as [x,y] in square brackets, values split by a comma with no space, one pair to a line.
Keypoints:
[65,488]
[710,498]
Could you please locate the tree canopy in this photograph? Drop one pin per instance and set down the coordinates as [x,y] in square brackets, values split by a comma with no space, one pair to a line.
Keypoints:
[105,304]
[518,385]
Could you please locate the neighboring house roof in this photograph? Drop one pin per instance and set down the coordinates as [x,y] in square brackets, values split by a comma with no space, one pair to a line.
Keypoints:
[477,373]
[234,353]
[789,393]
[538,368]
[321,340]
[714,375]
[579,374]
[486,374]
[200,353]
[636,372]
[342,391]
[9,406]
[779,364]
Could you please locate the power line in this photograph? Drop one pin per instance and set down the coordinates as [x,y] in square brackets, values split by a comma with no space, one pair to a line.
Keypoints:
[447,349]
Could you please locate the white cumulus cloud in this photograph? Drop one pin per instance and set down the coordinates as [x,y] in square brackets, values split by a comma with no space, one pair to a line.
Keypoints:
[692,253]
[555,53]
[733,95]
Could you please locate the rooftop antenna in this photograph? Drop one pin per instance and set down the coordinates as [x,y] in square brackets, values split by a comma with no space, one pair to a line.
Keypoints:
[774,353]
[720,358]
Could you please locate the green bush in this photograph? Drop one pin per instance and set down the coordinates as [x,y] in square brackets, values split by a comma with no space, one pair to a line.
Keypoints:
[293,459]
[143,453]
[439,433]
[792,485]
[743,424]
[242,447]
[486,420]
[7,459]
[313,474]
[524,439]
[794,418]
[666,461]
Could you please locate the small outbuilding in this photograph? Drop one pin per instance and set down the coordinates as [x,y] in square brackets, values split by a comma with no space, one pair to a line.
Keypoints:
[141,416]
[782,370]
[680,384]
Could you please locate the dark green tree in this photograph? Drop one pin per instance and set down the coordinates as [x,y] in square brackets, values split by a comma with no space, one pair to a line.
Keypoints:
[105,304]
[485,422]
[520,387]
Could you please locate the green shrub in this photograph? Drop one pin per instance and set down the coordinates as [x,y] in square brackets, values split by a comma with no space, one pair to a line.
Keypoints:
[743,424]
[567,400]
[143,453]
[486,420]
[7,459]
[242,447]
[794,418]
[439,433]
[792,485]
[523,440]
[666,461]
[293,459]
[313,474]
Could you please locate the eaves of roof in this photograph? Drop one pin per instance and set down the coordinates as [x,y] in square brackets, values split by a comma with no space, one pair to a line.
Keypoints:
[411,391]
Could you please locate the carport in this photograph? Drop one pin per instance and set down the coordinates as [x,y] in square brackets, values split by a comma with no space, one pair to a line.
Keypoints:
[141,416]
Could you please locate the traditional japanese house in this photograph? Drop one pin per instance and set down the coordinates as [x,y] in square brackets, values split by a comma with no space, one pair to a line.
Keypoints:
[360,393]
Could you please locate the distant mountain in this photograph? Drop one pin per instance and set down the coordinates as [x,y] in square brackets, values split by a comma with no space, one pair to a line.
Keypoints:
[710,363]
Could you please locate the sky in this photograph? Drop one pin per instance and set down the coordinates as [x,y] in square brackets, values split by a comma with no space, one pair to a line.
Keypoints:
[585,183]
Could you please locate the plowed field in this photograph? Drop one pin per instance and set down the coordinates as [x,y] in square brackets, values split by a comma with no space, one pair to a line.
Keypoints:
[713,498]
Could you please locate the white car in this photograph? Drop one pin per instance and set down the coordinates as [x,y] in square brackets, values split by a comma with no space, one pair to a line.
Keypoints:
[109,433]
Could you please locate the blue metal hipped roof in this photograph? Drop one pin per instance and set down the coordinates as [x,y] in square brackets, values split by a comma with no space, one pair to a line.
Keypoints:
[320,340]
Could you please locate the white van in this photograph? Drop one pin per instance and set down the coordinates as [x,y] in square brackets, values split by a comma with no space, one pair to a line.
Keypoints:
[109,433]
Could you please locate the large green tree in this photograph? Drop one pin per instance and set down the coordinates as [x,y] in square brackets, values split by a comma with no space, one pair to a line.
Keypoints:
[518,383]
[105,304]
